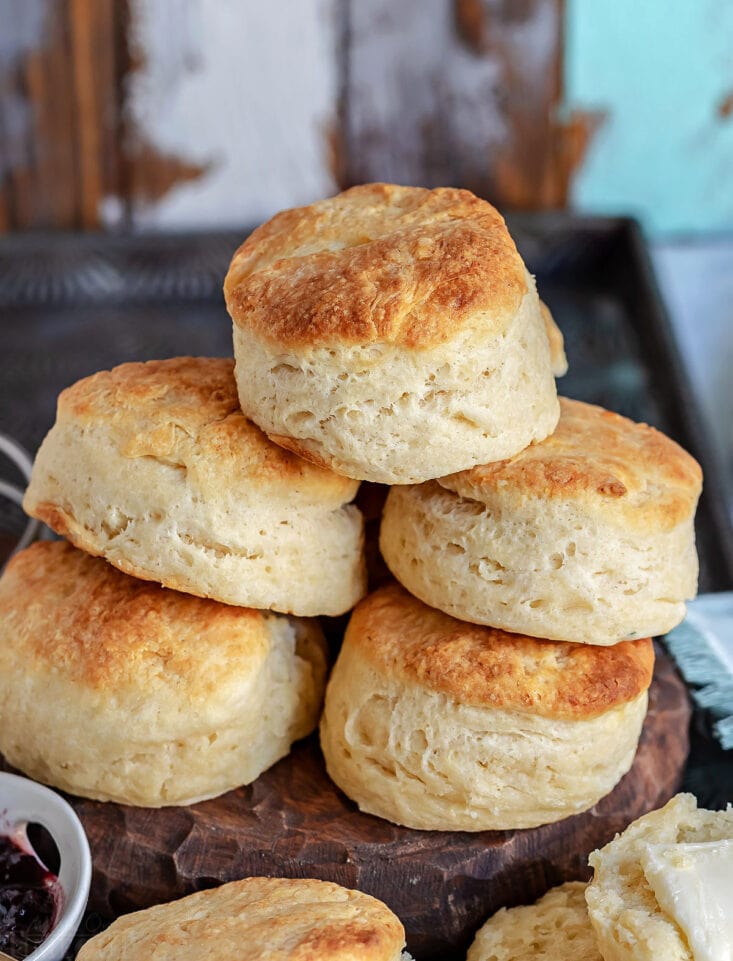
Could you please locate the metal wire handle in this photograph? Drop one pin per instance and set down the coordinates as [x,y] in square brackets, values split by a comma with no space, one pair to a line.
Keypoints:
[20,457]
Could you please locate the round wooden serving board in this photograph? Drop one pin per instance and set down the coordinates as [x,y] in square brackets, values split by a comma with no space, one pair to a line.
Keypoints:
[293,822]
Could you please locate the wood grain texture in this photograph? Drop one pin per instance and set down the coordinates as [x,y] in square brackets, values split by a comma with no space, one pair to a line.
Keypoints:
[239,99]
[119,113]
[73,155]
[60,111]
[293,822]
[466,94]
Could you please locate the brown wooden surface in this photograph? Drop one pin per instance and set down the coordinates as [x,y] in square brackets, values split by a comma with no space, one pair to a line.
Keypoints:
[60,111]
[67,143]
[461,92]
[465,93]
[293,822]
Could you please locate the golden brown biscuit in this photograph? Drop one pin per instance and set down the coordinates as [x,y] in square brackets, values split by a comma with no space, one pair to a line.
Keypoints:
[442,725]
[377,264]
[587,536]
[117,689]
[556,928]
[154,467]
[258,919]
[557,342]
[391,333]
[615,467]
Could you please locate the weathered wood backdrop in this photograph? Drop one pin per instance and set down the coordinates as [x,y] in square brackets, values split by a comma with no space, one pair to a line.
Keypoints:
[178,113]
[196,113]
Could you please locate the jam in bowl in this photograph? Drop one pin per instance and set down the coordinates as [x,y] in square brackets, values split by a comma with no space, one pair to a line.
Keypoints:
[30,897]
[40,909]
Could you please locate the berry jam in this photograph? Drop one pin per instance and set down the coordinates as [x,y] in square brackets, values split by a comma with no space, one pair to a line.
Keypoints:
[28,897]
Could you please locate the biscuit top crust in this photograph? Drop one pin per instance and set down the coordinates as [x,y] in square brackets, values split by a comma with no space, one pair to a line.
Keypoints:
[258,919]
[377,264]
[601,462]
[184,413]
[487,667]
[75,615]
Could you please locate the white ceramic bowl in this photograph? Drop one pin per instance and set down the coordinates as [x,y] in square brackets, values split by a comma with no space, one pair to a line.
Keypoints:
[24,802]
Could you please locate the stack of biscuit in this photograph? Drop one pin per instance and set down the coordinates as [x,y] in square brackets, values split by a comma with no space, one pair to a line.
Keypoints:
[394,335]
[391,335]
[118,688]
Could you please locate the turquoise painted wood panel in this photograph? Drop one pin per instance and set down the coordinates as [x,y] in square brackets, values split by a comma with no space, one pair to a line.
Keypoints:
[661,74]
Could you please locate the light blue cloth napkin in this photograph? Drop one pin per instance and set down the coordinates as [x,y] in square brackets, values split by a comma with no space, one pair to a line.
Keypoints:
[702,645]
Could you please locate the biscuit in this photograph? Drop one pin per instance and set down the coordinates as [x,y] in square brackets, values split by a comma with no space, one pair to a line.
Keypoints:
[556,928]
[629,923]
[117,689]
[437,724]
[258,919]
[587,536]
[155,468]
[391,333]
[558,360]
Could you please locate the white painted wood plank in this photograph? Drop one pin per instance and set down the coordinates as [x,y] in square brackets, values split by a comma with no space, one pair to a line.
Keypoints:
[407,69]
[244,88]
[427,105]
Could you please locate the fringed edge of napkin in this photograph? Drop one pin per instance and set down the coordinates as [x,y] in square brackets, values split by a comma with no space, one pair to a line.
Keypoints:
[695,650]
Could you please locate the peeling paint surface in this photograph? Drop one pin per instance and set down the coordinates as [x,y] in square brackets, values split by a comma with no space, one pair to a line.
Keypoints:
[660,73]
[241,93]
[408,68]
[455,93]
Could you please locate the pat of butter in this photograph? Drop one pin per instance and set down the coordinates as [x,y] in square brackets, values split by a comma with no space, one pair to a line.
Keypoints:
[693,884]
